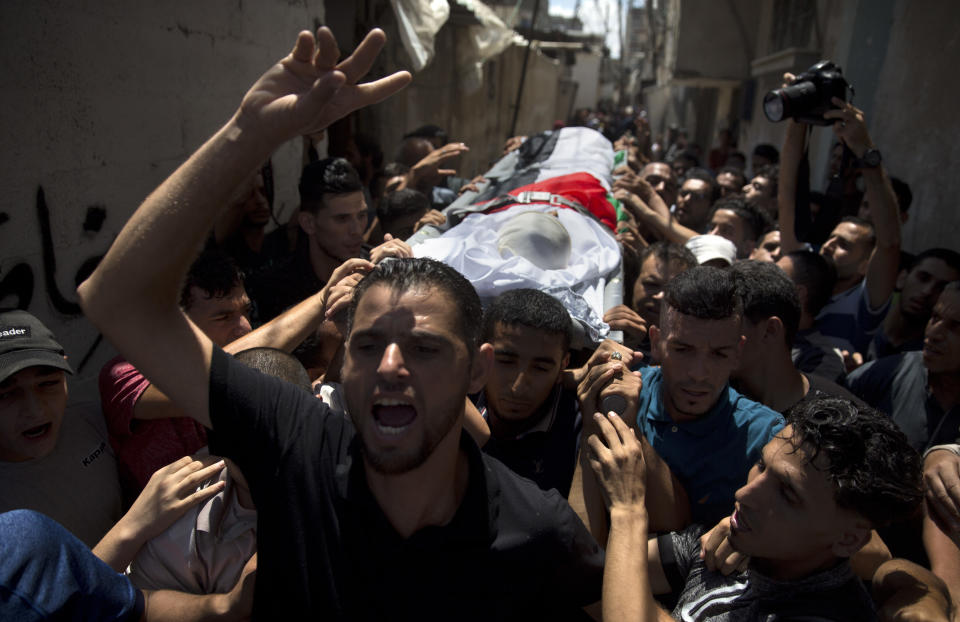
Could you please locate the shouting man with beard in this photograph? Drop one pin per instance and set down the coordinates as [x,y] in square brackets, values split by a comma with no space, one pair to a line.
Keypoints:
[395,512]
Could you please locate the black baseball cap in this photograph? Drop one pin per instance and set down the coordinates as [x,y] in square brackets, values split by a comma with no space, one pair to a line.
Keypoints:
[26,342]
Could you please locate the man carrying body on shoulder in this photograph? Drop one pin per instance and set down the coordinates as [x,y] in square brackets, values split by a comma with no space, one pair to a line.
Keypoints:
[920,390]
[706,432]
[333,217]
[400,498]
[534,421]
[920,287]
[810,503]
[54,457]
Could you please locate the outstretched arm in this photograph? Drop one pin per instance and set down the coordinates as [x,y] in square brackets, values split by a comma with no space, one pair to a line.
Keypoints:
[132,296]
[790,156]
[885,260]
[659,221]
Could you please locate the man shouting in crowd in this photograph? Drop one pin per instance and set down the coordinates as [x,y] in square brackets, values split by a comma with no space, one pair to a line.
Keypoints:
[397,514]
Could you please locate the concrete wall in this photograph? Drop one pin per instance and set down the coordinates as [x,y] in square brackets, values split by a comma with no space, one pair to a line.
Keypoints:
[586,73]
[479,118]
[915,122]
[102,101]
[899,56]
[716,39]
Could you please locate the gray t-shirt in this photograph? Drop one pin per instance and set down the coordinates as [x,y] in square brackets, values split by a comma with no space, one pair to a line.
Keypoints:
[834,594]
[897,385]
[76,485]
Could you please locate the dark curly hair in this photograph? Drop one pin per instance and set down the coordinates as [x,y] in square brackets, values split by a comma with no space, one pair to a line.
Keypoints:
[214,273]
[876,472]
[327,176]
[531,308]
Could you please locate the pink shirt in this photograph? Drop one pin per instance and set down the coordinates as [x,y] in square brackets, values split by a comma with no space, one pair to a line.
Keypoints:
[141,446]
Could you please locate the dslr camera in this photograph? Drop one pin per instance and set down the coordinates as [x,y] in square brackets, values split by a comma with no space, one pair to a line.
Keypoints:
[809,96]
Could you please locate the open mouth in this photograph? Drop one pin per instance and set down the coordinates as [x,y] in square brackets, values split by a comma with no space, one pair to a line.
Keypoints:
[738,524]
[393,416]
[38,431]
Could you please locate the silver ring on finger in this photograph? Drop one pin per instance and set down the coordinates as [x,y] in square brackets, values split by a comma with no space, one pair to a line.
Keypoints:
[616,356]
[843,124]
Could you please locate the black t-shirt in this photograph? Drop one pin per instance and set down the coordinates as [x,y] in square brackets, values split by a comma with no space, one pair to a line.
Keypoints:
[282,283]
[547,454]
[327,551]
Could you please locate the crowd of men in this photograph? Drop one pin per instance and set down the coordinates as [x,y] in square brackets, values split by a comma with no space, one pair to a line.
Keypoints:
[312,422]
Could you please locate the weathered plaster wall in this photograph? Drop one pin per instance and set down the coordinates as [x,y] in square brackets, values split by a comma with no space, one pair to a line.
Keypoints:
[480,118]
[102,100]
[915,121]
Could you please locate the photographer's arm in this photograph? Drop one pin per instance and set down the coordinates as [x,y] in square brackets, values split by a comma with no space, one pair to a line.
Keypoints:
[132,296]
[885,260]
[790,157]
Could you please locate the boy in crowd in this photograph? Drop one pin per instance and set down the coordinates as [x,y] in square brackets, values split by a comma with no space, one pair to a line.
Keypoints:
[54,456]
[534,421]
[821,484]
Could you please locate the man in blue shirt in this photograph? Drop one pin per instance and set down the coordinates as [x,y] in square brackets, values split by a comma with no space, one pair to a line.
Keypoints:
[707,433]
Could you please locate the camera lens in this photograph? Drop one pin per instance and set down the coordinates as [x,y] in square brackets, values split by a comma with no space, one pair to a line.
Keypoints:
[773,106]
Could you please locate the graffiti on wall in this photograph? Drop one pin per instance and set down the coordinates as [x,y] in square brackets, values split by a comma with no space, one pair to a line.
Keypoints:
[19,282]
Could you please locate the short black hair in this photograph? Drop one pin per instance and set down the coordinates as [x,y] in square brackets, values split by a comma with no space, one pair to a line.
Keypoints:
[904,195]
[875,471]
[704,175]
[817,274]
[327,176]
[401,203]
[768,151]
[765,291]
[666,252]
[276,363]
[531,308]
[410,273]
[703,292]
[947,256]
[866,224]
[756,220]
[770,172]
[214,273]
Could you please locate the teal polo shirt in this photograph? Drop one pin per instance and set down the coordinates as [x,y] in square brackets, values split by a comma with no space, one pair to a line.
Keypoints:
[711,456]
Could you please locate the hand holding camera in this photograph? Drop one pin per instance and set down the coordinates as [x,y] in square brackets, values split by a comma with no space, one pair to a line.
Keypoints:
[849,126]
[818,96]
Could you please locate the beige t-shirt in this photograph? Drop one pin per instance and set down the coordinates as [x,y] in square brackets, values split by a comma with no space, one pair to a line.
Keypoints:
[76,485]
